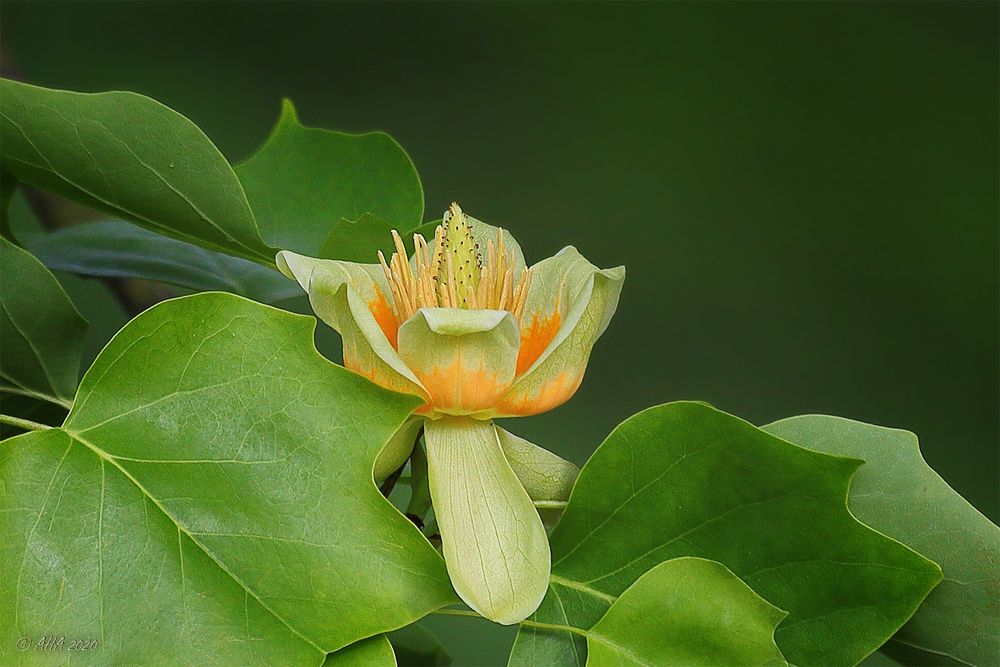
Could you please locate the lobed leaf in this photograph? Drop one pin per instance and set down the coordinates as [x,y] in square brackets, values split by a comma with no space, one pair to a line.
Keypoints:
[684,479]
[305,184]
[210,500]
[897,493]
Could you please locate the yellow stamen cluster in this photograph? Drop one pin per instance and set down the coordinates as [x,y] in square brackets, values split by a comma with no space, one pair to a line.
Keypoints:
[451,272]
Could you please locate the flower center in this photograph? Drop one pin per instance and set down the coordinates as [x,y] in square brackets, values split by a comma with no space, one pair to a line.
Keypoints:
[451,272]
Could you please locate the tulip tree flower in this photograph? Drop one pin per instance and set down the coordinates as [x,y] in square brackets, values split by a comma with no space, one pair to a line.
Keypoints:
[469,329]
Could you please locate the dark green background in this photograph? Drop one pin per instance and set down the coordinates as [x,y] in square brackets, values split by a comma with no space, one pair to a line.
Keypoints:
[805,195]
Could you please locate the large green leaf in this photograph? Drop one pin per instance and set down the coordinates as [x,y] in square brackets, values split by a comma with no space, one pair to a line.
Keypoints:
[132,157]
[897,493]
[210,499]
[684,479]
[41,331]
[88,555]
[119,249]
[304,181]
[686,612]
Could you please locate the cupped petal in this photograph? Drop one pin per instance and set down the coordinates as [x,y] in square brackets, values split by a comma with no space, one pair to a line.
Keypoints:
[350,297]
[398,449]
[569,305]
[464,358]
[493,540]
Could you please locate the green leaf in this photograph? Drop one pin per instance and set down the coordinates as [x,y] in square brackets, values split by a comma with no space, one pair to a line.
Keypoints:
[8,184]
[129,156]
[210,499]
[372,652]
[897,493]
[41,330]
[87,554]
[303,181]
[687,612]
[361,240]
[684,479]
[119,249]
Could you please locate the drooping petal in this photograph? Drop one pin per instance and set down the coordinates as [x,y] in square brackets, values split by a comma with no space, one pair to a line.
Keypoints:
[493,540]
[398,449]
[569,305]
[545,476]
[351,298]
[464,358]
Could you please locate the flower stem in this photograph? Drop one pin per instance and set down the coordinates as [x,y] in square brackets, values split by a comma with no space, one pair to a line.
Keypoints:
[550,504]
[25,424]
[527,623]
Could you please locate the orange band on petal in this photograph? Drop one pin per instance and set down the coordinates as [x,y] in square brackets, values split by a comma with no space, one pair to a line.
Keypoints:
[536,338]
[458,389]
[384,316]
[553,393]
[357,364]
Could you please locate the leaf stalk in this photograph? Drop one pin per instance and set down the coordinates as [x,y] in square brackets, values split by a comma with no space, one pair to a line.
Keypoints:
[527,623]
[25,424]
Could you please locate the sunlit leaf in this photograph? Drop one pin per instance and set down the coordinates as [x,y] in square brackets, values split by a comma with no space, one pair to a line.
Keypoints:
[210,499]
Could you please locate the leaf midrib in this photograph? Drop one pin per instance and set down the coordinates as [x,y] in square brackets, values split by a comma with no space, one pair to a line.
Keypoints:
[105,457]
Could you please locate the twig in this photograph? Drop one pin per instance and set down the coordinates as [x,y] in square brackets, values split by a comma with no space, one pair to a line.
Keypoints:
[24,424]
